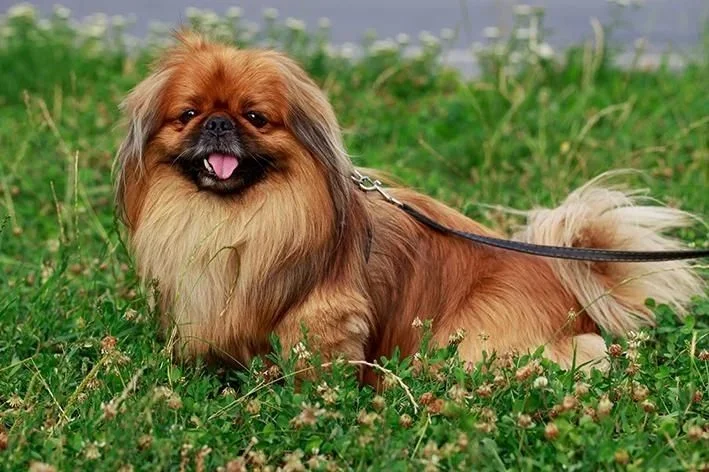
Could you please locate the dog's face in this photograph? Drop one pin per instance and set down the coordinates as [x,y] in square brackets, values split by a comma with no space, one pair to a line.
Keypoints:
[223,121]
[227,119]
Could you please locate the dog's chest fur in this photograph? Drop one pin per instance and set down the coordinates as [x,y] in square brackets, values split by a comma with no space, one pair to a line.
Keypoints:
[222,267]
[191,246]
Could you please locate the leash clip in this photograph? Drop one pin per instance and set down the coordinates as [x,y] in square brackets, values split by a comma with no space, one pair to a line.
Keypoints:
[367,184]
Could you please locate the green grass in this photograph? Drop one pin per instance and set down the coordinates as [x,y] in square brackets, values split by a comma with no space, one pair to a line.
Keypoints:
[72,399]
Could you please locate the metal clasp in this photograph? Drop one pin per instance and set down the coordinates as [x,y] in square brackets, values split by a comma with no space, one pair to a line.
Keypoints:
[367,184]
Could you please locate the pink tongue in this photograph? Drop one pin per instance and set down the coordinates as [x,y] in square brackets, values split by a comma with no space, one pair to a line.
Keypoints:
[223,165]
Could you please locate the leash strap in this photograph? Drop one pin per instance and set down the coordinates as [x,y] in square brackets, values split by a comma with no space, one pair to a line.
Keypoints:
[367,184]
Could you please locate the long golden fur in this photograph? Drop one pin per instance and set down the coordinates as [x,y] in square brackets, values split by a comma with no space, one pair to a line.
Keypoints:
[303,247]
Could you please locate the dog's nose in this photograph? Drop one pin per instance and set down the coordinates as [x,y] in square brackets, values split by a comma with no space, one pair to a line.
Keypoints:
[218,125]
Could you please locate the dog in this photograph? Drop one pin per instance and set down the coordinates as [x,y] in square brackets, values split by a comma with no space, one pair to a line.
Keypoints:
[235,188]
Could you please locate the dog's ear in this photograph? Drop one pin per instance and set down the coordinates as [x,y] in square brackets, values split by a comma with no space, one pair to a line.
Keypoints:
[141,110]
[312,120]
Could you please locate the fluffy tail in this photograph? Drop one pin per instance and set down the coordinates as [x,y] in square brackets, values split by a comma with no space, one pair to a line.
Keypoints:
[598,215]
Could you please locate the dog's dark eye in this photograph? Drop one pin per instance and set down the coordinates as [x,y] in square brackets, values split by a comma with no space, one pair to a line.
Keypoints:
[187,116]
[256,119]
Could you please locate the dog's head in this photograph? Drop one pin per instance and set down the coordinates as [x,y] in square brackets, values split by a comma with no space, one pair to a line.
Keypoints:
[227,119]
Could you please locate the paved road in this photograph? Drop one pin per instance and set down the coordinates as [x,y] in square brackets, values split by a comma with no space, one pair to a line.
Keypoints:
[665,23]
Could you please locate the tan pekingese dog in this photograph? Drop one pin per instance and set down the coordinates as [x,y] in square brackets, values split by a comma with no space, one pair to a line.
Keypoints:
[237,194]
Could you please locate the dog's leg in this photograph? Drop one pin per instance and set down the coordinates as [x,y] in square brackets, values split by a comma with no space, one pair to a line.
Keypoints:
[586,351]
[335,325]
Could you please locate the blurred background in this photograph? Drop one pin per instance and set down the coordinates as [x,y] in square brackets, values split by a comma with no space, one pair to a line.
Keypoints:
[660,26]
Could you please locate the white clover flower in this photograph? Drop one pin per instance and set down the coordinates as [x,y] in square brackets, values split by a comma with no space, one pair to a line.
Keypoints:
[324,23]
[22,10]
[53,245]
[541,383]
[640,43]
[523,33]
[270,13]
[515,57]
[477,47]
[91,451]
[500,50]
[522,10]
[252,28]
[302,351]
[119,21]
[222,30]
[61,12]
[638,336]
[101,18]
[234,13]
[491,32]
[193,13]
[44,24]
[347,50]
[424,35]
[428,39]
[96,26]
[131,41]
[382,46]
[403,39]
[545,51]
[158,27]
[95,30]
[294,24]
[246,35]
[447,34]
[330,50]
[210,18]
[432,42]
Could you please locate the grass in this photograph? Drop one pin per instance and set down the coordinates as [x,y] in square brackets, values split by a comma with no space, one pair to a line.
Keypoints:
[84,380]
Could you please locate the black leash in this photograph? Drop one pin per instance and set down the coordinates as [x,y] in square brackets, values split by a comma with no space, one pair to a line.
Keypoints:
[560,252]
